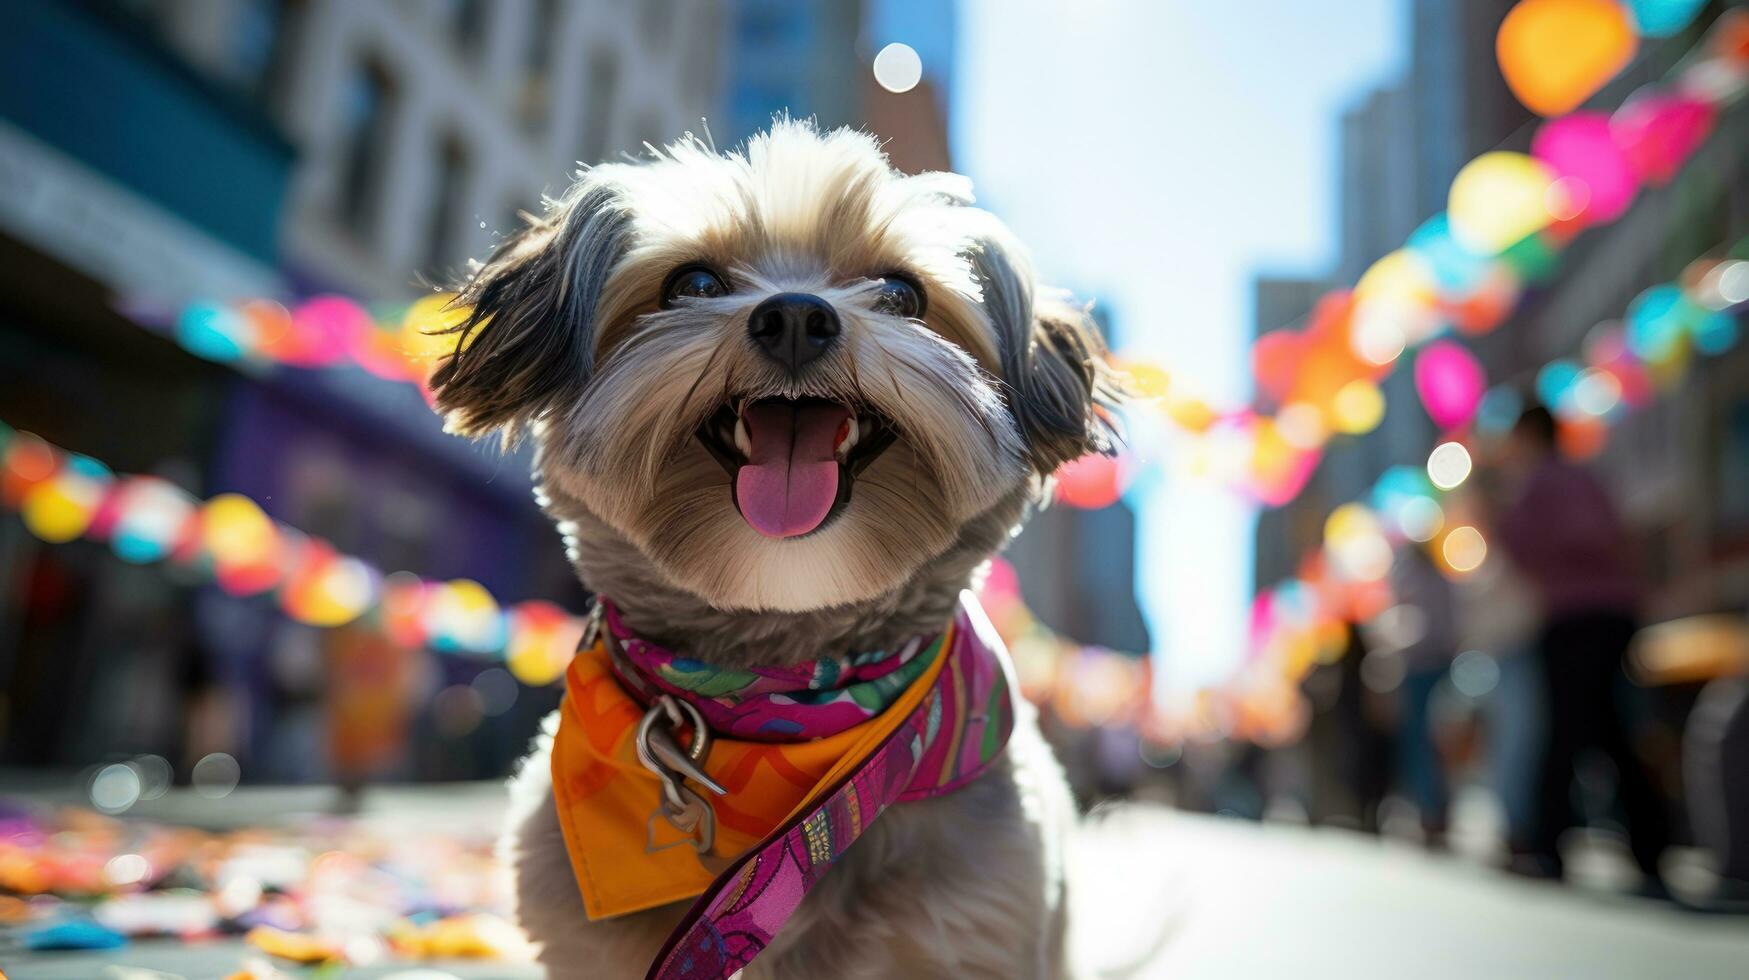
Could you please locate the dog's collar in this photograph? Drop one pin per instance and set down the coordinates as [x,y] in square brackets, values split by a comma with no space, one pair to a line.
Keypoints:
[938,713]
[767,704]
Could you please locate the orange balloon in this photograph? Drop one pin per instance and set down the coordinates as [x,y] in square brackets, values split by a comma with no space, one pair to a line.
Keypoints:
[1555,53]
[1581,438]
[1190,414]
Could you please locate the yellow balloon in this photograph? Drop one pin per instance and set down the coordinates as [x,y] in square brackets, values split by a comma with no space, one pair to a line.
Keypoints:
[1146,380]
[60,509]
[423,338]
[1401,275]
[236,531]
[1499,199]
[1358,408]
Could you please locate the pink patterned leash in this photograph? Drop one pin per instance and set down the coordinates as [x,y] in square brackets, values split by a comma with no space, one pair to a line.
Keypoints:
[954,736]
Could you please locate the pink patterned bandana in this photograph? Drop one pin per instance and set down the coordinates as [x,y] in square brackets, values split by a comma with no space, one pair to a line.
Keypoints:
[955,733]
[772,704]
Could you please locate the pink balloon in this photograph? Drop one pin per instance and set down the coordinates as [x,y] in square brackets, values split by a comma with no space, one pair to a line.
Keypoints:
[1658,132]
[1580,146]
[326,327]
[1451,383]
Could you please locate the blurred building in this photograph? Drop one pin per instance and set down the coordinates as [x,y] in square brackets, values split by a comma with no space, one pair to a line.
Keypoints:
[1401,147]
[423,128]
[156,152]
[1401,144]
[793,56]
[1077,568]
[1279,301]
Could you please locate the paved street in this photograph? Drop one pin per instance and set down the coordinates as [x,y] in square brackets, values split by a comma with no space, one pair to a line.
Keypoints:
[1175,896]
[1240,900]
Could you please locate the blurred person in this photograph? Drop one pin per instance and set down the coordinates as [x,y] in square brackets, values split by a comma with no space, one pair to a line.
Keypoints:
[1562,531]
[1716,757]
[1425,642]
[1351,738]
[1500,615]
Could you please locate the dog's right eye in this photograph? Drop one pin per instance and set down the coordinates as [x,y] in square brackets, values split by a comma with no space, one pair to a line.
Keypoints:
[692,280]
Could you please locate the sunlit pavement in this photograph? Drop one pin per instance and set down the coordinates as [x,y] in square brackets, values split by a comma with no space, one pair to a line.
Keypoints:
[1196,896]
[1168,894]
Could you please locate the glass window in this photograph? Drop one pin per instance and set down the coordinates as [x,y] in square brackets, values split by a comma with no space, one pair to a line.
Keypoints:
[365,114]
[443,241]
[255,33]
[538,64]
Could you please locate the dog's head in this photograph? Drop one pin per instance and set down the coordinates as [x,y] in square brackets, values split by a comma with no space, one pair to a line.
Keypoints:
[788,376]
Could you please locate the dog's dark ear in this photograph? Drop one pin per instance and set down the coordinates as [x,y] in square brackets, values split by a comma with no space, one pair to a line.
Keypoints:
[526,344]
[1060,387]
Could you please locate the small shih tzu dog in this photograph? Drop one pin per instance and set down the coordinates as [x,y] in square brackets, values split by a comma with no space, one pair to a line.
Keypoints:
[787,403]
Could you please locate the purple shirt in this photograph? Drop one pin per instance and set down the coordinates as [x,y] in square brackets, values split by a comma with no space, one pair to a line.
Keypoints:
[1565,536]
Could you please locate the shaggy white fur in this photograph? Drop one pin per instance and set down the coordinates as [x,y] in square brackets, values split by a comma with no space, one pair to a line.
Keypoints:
[985,385]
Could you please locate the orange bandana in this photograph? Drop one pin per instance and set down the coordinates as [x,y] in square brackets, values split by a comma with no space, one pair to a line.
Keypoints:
[625,855]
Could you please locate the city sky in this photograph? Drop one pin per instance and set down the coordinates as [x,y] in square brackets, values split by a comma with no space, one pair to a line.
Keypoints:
[1157,156]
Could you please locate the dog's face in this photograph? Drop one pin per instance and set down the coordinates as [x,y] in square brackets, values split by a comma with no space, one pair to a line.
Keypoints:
[788,377]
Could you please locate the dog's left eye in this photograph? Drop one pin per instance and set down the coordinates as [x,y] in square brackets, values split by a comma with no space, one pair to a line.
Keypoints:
[900,296]
[692,280]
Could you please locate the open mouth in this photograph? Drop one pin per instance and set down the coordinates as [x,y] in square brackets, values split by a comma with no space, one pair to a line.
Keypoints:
[792,461]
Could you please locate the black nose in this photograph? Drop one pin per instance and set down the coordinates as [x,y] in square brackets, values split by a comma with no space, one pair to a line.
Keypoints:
[794,328]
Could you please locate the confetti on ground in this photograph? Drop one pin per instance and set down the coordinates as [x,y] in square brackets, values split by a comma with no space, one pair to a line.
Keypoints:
[331,891]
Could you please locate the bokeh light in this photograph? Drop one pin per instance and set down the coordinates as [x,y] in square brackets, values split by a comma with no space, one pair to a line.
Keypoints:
[1498,200]
[1358,408]
[115,788]
[1658,131]
[897,68]
[1555,53]
[1555,381]
[1450,382]
[1301,425]
[215,332]
[1356,543]
[1596,392]
[216,775]
[1092,481]
[542,639]
[152,516]
[1448,466]
[462,615]
[243,542]
[1378,339]
[425,336]
[1464,549]
[60,508]
[1420,518]
[1475,674]
[1581,148]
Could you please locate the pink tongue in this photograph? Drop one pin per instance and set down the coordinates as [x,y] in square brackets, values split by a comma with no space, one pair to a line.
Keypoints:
[790,479]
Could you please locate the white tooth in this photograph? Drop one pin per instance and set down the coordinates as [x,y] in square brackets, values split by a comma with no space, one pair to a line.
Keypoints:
[852,432]
[742,443]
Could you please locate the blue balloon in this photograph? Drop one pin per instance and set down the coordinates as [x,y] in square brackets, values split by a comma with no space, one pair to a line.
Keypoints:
[1715,334]
[1654,322]
[1456,268]
[1662,18]
[1554,383]
[211,331]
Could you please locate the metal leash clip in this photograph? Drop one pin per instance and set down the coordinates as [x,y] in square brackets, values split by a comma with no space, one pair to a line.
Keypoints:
[659,750]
